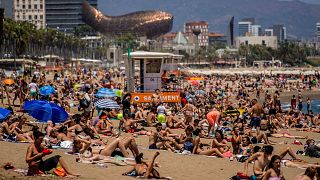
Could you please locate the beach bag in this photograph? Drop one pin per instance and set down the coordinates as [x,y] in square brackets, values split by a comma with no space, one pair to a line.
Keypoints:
[188,146]
[59,171]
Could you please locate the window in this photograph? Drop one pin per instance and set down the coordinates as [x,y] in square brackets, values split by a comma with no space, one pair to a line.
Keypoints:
[23,6]
[35,6]
[263,42]
[41,16]
[29,6]
[35,17]
[41,6]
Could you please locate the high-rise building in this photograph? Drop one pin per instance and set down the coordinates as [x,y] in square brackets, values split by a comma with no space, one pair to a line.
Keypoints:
[231,32]
[318,31]
[32,11]
[203,26]
[244,28]
[280,31]
[256,30]
[65,15]
[268,32]
[7,5]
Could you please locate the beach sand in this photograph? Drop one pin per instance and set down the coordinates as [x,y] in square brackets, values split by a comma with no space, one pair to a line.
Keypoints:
[173,165]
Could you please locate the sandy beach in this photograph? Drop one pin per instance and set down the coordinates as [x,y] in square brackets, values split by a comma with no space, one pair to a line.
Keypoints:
[172,165]
[194,166]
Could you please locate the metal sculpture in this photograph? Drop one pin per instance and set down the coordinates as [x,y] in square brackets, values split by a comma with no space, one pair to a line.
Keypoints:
[141,23]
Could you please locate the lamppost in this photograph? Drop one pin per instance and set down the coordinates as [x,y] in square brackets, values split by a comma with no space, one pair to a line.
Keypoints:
[197,32]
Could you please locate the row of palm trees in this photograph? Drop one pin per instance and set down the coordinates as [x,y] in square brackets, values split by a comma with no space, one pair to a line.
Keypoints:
[23,39]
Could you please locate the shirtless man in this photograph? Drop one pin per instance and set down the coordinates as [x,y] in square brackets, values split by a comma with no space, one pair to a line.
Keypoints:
[156,97]
[159,139]
[262,159]
[257,112]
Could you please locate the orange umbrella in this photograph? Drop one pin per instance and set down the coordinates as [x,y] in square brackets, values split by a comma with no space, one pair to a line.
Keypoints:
[8,81]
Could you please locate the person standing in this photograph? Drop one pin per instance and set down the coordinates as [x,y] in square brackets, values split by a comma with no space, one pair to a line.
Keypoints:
[33,88]
[309,105]
[213,118]
[293,102]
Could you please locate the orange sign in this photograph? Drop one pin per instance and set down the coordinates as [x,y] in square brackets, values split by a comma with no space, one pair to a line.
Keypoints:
[195,78]
[173,97]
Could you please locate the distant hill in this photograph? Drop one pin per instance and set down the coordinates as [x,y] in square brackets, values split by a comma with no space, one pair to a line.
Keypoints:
[299,17]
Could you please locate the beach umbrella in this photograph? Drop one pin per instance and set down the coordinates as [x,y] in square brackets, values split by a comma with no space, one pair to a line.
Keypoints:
[4,113]
[106,104]
[44,111]
[8,81]
[47,90]
[105,92]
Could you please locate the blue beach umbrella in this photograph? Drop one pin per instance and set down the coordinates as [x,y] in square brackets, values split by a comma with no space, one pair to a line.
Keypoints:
[44,111]
[106,104]
[4,113]
[105,92]
[47,90]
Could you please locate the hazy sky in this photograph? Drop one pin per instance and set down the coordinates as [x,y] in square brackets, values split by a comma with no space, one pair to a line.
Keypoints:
[310,1]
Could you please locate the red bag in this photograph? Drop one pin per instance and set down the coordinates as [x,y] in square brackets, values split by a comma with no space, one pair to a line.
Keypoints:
[242,175]
[46,152]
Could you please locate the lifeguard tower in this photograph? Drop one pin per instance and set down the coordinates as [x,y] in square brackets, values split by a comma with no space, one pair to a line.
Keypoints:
[149,67]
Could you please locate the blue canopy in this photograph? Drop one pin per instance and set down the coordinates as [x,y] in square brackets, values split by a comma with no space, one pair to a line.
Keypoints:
[44,111]
[4,113]
[105,92]
[47,90]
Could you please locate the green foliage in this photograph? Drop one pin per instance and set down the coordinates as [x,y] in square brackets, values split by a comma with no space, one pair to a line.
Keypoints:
[288,52]
[23,39]
[127,40]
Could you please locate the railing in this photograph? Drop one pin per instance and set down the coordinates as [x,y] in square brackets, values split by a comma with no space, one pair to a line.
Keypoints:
[153,83]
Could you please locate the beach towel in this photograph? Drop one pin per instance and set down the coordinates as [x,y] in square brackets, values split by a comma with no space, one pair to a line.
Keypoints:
[66,144]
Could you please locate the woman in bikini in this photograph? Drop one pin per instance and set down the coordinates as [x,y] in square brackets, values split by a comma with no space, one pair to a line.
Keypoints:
[143,169]
[220,143]
[273,170]
[188,110]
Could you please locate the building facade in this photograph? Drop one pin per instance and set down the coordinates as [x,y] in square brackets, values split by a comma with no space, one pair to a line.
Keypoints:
[244,28]
[269,41]
[65,15]
[318,31]
[280,31]
[256,30]
[268,32]
[32,11]
[7,5]
[217,39]
[203,26]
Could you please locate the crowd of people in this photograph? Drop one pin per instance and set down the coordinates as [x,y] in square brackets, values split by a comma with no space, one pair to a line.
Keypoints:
[236,117]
